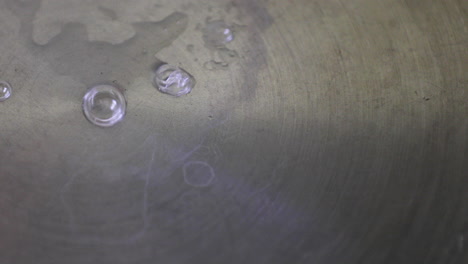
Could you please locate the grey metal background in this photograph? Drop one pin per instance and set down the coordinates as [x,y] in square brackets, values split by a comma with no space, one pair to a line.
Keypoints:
[337,133]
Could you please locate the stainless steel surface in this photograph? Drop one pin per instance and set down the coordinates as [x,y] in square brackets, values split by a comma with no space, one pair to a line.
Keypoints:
[326,132]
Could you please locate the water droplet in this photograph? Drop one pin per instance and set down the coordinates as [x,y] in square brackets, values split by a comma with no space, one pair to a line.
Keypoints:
[5,91]
[104,105]
[217,34]
[173,80]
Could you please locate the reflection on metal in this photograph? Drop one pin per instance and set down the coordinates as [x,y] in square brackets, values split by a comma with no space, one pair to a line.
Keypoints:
[325,132]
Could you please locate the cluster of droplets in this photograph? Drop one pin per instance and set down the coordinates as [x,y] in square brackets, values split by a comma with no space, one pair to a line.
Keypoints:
[217,34]
[105,105]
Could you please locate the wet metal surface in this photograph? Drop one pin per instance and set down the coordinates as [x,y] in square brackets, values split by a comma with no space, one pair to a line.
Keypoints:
[322,132]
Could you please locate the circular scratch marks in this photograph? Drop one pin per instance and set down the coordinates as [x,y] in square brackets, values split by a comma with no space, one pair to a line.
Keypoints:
[198,173]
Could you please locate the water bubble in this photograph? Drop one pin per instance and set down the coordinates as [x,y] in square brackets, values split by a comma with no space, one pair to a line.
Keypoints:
[217,34]
[5,91]
[104,105]
[173,80]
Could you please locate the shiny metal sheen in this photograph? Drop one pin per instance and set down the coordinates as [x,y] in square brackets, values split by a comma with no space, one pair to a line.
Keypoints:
[325,132]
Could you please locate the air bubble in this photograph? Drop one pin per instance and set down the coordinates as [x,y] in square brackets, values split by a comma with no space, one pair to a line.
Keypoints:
[104,105]
[217,34]
[5,91]
[173,80]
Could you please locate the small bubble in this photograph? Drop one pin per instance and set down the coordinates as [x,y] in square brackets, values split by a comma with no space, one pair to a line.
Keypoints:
[104,105]
[5,91]
[217,34]
[173,80]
